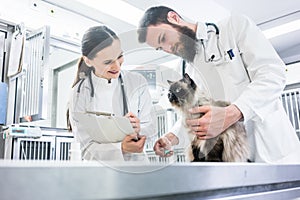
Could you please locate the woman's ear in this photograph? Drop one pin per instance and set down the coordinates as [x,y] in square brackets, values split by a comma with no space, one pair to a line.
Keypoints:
[87,61]
[173,17]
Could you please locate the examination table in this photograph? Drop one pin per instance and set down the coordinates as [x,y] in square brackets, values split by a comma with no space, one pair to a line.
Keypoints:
[95,180]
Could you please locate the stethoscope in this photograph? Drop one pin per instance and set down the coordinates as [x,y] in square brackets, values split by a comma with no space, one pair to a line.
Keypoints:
[208,59]
[213,57]
[125,105]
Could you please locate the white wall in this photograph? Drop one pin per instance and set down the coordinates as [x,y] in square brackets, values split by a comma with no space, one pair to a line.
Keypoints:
[293,73]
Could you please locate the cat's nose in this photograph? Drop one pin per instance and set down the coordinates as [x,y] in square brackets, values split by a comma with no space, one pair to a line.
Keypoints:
[171,96]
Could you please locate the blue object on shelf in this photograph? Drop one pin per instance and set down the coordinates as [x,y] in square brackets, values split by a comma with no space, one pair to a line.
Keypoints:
[3,102]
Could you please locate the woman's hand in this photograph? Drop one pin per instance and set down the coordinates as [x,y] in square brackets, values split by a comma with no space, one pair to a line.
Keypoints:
[214,121]
[135,122]
[131,145]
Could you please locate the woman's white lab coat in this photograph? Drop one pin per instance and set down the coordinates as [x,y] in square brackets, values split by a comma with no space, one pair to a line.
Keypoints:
[253,80]
[108,98]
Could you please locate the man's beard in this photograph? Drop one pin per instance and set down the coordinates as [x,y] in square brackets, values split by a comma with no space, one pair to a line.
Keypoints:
[187,45]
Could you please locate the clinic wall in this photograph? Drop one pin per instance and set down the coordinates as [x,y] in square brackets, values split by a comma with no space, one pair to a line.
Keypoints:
[292,73]
[61,78]
[65,80]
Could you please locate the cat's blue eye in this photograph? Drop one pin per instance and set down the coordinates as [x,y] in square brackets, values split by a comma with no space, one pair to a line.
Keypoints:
[178,90]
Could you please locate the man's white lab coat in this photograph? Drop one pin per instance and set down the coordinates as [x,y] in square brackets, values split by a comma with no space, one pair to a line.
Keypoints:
[253,79]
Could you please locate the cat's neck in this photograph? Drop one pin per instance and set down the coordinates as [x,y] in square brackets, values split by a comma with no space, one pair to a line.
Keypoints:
[201,98]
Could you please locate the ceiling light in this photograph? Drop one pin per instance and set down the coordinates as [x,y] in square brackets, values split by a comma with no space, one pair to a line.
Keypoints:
[116,8]
[282,29]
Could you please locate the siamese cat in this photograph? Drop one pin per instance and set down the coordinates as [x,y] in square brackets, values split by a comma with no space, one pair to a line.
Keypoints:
[230,146]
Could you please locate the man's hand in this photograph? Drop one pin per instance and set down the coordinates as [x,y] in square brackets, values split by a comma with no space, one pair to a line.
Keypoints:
[214,120]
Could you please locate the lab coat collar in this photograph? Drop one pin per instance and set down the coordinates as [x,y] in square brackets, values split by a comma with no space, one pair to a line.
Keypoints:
[201,31]
[103,81]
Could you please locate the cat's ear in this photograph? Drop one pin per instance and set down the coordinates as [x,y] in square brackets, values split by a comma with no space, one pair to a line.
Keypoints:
[186,75]
[189,81]
[170,82]
[187,78]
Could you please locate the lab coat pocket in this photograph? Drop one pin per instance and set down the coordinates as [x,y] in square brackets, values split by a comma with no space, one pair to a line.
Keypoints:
[234,67]
[239,71]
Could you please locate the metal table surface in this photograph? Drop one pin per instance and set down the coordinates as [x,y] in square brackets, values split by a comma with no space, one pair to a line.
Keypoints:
[94,180]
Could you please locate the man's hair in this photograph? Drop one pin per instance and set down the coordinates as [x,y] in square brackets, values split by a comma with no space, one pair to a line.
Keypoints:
[153,16]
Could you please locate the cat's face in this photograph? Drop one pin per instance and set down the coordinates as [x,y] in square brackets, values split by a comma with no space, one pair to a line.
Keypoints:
[182,92]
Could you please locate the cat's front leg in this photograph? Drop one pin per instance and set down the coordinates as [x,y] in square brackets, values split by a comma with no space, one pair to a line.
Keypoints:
[189,154]
[189,151]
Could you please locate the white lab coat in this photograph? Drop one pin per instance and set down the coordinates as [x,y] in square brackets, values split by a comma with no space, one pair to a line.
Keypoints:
[253,80]
[108,98]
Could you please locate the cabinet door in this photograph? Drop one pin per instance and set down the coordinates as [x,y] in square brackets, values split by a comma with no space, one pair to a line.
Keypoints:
[42,148]
[63,145]
[30,93]
[291,103]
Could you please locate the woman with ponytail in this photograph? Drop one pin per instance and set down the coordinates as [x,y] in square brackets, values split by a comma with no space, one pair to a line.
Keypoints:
[101,86]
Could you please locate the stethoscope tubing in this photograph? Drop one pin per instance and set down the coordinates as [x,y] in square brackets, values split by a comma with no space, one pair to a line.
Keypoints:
[212,58]
[124,97]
